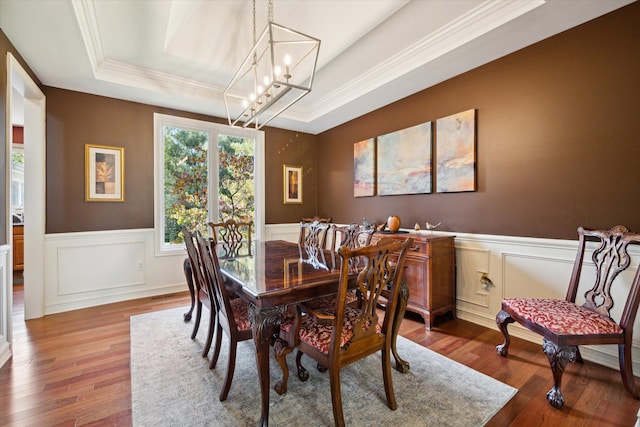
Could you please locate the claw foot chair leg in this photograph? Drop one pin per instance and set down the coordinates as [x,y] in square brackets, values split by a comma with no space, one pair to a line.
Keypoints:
[303,374]
[281,349]
[558,359]
[502,320]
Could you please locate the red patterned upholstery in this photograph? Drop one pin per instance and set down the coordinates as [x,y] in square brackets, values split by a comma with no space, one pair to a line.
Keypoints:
[241,313]
[562,317]
[318,334]
[330,301]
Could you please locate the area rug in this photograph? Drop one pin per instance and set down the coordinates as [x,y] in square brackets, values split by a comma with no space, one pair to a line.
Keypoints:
[172,385]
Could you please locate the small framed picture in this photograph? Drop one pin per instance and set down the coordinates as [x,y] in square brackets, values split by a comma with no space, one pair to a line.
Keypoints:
[292,184]
[104,169]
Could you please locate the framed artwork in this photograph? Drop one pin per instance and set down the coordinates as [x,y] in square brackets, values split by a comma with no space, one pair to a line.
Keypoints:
[292,184]
[456,152]
[104,173]
[364,168]
[404,161]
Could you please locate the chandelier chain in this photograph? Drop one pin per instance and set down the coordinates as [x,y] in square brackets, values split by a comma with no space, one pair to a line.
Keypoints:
[270,11]
[254,23]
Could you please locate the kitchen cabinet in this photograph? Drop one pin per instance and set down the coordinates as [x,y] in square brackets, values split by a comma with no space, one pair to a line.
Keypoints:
[18,247]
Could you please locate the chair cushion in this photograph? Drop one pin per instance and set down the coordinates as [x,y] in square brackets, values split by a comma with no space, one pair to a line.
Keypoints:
[562,317]
[318,334]
[318,304]
[330,300]
[288,317]
[241,313]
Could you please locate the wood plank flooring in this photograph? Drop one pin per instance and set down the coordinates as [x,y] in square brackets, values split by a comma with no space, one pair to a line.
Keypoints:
[72,369]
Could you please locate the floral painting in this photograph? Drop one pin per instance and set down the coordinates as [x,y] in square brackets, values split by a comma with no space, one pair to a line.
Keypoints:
[364,165]
[104,168]
[456,152]
[404,161]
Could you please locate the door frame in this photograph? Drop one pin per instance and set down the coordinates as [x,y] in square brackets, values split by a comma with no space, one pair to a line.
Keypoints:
[20,84]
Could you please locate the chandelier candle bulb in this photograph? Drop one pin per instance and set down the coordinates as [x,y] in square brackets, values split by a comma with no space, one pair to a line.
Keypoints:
[276,92]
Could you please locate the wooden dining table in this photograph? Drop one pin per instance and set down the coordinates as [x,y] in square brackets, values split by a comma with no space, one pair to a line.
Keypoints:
[278,274]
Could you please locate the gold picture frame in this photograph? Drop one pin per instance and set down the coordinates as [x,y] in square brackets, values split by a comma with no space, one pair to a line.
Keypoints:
[292,184]
[104,173]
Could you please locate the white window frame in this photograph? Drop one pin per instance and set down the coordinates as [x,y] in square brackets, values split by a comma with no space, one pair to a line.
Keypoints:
[213,129]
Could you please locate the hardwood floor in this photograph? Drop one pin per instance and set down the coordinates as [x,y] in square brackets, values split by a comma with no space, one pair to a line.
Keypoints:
[72,369]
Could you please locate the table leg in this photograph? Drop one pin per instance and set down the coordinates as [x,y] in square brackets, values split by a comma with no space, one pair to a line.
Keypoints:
[263,324]
[401,364]
[188,273]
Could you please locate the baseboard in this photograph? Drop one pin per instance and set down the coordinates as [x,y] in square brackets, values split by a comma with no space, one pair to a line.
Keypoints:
[5,353]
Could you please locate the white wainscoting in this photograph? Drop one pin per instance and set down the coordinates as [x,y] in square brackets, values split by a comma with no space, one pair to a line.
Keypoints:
[288,232]
[86,269]
[93,268]
[6,300]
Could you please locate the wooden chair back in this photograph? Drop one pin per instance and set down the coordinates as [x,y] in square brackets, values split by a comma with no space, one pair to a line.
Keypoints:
[214,279]
[203,296]
[313,234]
[194,259]
[352,236]
[232,236]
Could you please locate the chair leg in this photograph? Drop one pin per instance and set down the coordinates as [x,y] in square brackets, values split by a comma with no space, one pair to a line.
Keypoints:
[186,266]
[336,397]
[303,374]
[210,330]
[196,322]
[558,359]
[626,370]
[217,345]
[388,380]
[231,367]
[281,349]
[502,320]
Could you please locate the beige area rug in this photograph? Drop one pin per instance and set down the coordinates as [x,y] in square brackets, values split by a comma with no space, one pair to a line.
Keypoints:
[173,386]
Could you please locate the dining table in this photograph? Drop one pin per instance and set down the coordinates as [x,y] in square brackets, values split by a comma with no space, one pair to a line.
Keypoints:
[275,274]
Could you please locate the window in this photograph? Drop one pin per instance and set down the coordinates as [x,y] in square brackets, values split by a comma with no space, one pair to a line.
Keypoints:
[205,172]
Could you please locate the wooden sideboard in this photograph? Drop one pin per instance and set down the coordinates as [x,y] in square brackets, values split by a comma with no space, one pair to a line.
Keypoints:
[430,274]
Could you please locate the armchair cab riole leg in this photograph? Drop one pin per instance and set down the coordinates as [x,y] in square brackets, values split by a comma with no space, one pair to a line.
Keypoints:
[558,359]
[502,320]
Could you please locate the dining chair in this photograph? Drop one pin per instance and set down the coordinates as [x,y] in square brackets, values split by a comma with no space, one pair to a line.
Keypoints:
[352,236]
[313,234]
[232,316]
[565,325]
[203,296]
[232,235]
[343,334]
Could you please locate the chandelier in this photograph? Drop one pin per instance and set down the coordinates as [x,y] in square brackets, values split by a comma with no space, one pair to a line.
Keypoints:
[276,73]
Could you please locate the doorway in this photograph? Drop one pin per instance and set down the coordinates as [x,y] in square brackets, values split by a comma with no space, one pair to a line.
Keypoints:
[27,100]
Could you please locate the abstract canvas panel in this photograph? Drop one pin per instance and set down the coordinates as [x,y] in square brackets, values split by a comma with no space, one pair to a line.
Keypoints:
[364,168]
[456,152]
[404,161]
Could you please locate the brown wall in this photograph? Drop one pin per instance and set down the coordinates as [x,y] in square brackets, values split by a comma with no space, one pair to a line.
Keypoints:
[558,142]
[75,119]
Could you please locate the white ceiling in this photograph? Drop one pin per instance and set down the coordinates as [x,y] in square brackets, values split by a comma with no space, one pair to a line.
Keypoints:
[182,53]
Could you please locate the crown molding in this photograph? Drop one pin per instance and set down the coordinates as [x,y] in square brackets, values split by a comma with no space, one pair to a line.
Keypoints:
[477,22]
[484,18]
